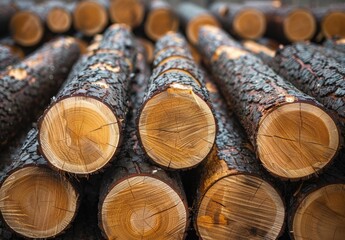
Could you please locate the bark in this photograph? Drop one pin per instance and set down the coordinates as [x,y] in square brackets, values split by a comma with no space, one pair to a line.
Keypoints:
[26,87]
[6,13]
[338,45]
[7,57]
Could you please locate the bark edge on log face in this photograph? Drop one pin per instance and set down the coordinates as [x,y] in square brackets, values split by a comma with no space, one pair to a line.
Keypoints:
[332,25]
[130,12]
[59,20]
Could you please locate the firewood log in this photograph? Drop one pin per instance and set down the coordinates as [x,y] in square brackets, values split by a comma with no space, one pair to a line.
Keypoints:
[59,16]
[331,21]
[336,44]
[130,12]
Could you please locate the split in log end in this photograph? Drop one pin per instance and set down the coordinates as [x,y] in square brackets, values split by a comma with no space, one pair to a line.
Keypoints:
[159,22]
[90,17]
[333,25]
[299,25]
[321,215]
[177,128]
[79,134]
[143,207]
[130,12]
[26,28]
[193,26]
[37,202]
[59,20]
[240,207]
[297,140]
[250,24]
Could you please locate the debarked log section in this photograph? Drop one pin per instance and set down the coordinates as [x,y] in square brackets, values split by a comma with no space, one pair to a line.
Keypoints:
[81,130]
[139,200]
[35,201]
[176,124]
[26,87]
[236,197]
[292,133]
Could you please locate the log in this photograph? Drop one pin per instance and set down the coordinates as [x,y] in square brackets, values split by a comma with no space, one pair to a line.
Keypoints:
[336,44]
[240,20]
[6,13]
[263,52]
[315,74]
[175,124]
[160,19]
[331,21]
[232,172]
[149,49]
[59,16]
[26,87]
[192,17]
[293,135]
[130,12]
[15,49]
[35,201]
[139,200]
[317,207]
[82,129]
[90,17]
[7,57]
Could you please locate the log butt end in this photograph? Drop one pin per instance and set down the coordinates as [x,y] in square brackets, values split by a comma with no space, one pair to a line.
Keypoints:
[79,135]
[159,22]
[297,140]
[321,215]
[240,206]
[143,207]
[130,12]
[250,24]
[333,25]
[59,20]
[192,29]
[299,25]
[177,128]
[37,202]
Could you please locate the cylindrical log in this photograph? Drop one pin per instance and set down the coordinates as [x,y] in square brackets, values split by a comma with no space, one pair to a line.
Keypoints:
[35,201]
[90,17]
[81,130]
[160,19]
[331,21]
[336,44]
[6,13]
[130,12]
[26,87]
[7,57]
[192,17]
[139,200]
[231,172]
[15,49]
[149,49]
[264,53]
[293,135]
[315,74]
[240,20]
[176,125]
[59,16]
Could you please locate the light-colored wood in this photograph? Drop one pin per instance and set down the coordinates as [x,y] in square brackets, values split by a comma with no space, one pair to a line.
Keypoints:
[333,24]
[149,49]
[258,48]
[249,24]
[79,134]
[296,140]
[192,29]
[143,207]
[59,20]
[195,53]
[90,17]
[321,215]
[26,28]
[37,203]
[299,25]
[130,12]
[177,128]
[160,22]
[240,207]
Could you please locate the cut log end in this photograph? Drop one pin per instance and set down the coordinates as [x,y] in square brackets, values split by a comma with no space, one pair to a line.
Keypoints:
[130,12]
[321,215]
[159,22]
[297,140]
[143,207]
[240,207]
[90,17]
[27,28]
[250,24]
[192,29]
[333,25]
[59,20]
[177,128]
[299,25]
[37,203]
[79,135]
[149,49]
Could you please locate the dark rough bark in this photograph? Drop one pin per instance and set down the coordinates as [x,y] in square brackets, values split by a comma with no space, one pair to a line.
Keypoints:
[25,88]
[7,57]
[338,45]
[189,11]
[6,12]
[315,74]
[329,53]
[261,51]
[170,40]
[171,52]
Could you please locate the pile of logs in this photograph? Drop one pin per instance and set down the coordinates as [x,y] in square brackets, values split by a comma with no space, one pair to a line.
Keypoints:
[104,135]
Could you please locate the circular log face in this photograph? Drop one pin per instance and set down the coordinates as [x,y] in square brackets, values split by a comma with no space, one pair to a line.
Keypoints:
[26,28]
[250,24]
[59,20]
[296,140]
[240,207]
[159,22]
[37,203]
[333,25]
[143,207]
[79,135]
[177,128]
[321,215]
[299,25]
[130,12]
[192,29]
